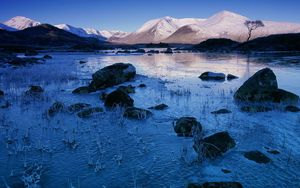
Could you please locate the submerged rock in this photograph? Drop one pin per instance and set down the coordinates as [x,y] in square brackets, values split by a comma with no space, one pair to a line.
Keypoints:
[112,75]
[118,98]
[1,93]
[257,157]
[206,76]
[215,145]
[81,90]
[127,89]
[292,109]
[159,107]
[47,57]
[221,111]
[231,77]
[78,107]
[89,112]
[184,126]
[33,90]
[137,113]
[55,108]
[82,62]
[263,87]
[216,185]
[255,108]
[142,85]
[273,151]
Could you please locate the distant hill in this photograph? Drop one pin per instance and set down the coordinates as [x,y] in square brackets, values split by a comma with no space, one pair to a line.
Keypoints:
[281,42]
[45,35]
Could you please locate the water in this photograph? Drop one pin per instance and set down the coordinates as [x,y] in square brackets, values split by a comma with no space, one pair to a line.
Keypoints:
[116,152]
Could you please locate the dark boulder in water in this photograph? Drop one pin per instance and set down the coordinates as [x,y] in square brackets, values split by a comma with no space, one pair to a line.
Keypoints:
[231,77]
[118,98]
[82,90]
[86,113]
[78,107]
[221,111]
[263,87]
[159,107]
[112,75]
[127,89]
[137,113]
[35,90]
[184,126]
[214,145]
[82,62]
[292,109]
[257,157]
[1,93]
[55,108]
[207,76]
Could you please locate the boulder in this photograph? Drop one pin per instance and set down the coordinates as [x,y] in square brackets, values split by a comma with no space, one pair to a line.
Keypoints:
[273,151]
[82,62]
[55,108]
[257,156]
[112,75]
[263,87]
[86,113]
[81,90]
[231,77]
[137,113]
[168,51]
[47,57]
[184,126]
[159,107]
[221,111]
[142,85]
[288,108]
[207,76]
[215,145]
[33,90]
[216,185]
[127,89]
[118,98]
[1,93]
[78,107]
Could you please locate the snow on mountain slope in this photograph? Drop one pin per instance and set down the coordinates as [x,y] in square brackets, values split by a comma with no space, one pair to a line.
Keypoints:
[227,25]
[109,34]
[75,30]
[156,30]
[7,28]
[20,22]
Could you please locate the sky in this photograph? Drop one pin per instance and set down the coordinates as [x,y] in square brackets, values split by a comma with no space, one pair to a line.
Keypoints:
[129,15]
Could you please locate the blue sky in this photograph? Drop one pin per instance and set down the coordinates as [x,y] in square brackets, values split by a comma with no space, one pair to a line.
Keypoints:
[128,15]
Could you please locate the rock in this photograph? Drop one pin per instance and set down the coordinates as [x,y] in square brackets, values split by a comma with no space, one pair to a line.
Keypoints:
[159,107]
[140,51]
[5,105]
[1,93]
[24,61]
[112,75]
[153,52]
[168,51]
[184,126]
[82,62]
[55,108]
[221,111]
[257,157]
[33,90]
[225,171]
[274,152]
[231,77]
[31,53]
[81,90]
[216,185]
[142,85]
[255,108]
[118,98]
[78,107]
[47,57]
[263,87]
[89,112]
[127,89]
[137,113]
[206,76]
[288,108]
[215,145]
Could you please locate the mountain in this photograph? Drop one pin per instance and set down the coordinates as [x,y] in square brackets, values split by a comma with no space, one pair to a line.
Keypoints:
[7,28]
[20,22]
[154,31]
[109,34]
[45,35]
[228,25]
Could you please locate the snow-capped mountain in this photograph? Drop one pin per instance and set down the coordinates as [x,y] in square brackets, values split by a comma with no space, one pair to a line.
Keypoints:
[156,30]
[224,24]
[21,22]
[75,30]
[109,34]
[7,28]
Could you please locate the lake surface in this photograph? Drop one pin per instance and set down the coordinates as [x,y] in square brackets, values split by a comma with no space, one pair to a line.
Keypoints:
[111,151]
